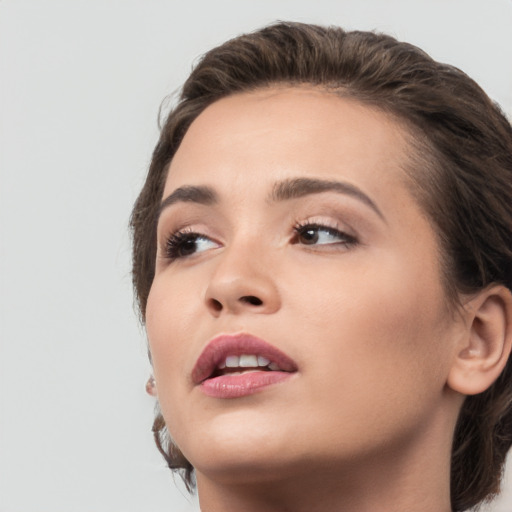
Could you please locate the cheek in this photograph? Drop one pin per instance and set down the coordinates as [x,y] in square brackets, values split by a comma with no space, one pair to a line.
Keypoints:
[167,323]
[377,357]
[167,327]
[376,322]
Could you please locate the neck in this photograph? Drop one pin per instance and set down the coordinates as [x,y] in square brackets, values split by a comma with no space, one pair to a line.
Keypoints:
[321,492]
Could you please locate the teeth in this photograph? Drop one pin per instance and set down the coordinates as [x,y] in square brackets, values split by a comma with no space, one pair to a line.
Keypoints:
[263,361]
[232,361]
[247,361]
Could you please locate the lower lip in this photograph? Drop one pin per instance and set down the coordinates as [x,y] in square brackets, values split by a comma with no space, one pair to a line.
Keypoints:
[236,386]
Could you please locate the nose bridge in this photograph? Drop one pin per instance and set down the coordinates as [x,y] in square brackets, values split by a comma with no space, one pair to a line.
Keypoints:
[243,280]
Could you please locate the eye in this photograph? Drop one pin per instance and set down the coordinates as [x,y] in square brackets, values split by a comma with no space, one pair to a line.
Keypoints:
[317,234]
[182,244]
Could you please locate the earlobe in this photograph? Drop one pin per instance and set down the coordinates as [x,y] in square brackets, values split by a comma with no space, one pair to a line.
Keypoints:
[151,386]
[483,352]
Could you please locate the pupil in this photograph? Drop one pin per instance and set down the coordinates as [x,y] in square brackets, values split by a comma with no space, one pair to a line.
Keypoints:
[188,246]
[310,236]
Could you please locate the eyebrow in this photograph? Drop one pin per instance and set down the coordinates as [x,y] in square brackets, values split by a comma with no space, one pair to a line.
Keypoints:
[281,191]
[300,187]
[192,194]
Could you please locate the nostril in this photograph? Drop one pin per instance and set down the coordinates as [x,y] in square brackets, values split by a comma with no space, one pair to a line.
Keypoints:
[251,299]
[216,305]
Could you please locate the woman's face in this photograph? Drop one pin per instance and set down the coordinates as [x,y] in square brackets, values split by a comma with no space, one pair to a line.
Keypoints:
[293,236]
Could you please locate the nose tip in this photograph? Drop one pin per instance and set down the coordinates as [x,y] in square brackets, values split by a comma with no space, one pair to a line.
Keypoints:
[256,294]
[243,278]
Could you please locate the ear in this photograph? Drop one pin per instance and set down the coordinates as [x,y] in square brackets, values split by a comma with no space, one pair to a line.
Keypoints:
[485,347]
[151,386]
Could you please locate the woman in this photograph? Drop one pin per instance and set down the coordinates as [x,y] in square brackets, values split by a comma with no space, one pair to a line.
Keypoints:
[323,261]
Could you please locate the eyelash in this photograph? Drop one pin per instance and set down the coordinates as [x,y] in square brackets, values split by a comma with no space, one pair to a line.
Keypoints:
[345,239]
[176,242]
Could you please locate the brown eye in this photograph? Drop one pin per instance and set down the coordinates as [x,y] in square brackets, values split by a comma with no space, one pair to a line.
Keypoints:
[181,245]
[315,234]
[309,236]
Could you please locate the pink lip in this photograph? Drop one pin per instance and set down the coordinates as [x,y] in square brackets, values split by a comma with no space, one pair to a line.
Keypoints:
[234,386]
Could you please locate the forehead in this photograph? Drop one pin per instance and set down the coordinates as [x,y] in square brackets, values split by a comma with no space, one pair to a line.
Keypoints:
[271,134]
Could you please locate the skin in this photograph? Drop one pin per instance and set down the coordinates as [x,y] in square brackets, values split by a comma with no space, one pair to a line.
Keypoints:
[366,423]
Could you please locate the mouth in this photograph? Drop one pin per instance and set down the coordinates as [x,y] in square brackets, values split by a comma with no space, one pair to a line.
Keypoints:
[244,363]
[231,366]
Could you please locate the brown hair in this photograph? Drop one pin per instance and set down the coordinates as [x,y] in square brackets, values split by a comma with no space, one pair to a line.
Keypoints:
[461,174]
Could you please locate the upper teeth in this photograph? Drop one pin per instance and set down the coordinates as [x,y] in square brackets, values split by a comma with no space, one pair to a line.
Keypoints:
[247,361]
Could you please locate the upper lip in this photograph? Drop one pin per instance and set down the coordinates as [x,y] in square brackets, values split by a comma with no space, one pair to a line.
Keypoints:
[224,345]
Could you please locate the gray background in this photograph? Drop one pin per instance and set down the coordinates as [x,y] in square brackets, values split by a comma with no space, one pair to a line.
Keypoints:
[80,86]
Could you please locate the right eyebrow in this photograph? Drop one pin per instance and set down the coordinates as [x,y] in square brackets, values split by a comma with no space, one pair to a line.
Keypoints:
[202,195]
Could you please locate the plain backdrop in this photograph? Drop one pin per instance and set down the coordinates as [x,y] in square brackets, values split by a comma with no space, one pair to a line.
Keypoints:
[81,82]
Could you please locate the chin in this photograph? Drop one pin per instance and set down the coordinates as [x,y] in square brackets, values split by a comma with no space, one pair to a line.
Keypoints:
[242,444]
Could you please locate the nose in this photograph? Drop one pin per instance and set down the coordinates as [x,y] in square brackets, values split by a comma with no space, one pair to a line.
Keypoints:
[242,282]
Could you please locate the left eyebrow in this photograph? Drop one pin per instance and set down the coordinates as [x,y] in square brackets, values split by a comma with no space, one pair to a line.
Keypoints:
[300,187]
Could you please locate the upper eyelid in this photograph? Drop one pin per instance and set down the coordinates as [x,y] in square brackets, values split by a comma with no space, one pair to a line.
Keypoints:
[322,227]
[198,219]
[327,222]
[338,232]
[331,201]
[200,228]
[164,232]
